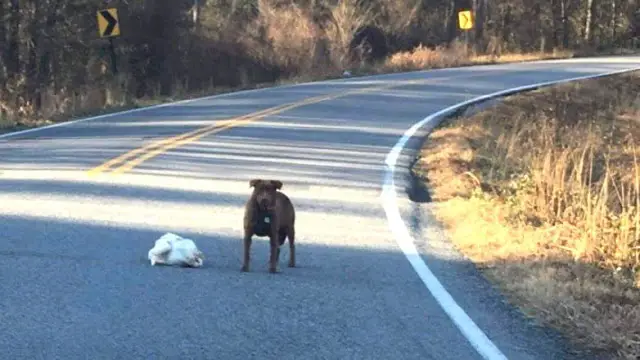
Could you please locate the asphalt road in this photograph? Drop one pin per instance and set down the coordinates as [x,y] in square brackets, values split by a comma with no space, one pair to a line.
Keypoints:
[75,283]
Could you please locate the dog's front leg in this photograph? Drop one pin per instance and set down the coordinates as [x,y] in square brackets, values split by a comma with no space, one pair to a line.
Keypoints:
[247,250]
[275,251]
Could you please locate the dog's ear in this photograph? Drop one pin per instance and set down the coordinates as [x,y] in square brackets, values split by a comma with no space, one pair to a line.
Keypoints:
[277,184]
[254,182]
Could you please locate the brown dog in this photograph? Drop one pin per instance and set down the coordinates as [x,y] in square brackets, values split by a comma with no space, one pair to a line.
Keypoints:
[269,212]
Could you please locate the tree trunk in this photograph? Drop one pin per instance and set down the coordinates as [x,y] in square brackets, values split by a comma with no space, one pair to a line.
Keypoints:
[196,15]
[565,24]
[635,27]
[506,26]
[588,22]
[3,34]
[12,51]
[32,93]
[452,30]
[43,77]
[479,9]
[614,20]
[537,14]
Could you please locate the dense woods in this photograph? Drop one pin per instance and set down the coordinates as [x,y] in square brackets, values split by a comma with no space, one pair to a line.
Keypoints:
[54,63]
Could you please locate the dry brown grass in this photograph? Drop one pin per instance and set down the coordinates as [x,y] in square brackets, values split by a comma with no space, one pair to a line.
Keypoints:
[458,54]
[423,57]
[520,56]
[347,19]
[298,44]
[542,191]
[291,37]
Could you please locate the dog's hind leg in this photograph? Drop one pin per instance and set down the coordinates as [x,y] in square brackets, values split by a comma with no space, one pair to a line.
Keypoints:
[292,246]
[247,251]
[282,236]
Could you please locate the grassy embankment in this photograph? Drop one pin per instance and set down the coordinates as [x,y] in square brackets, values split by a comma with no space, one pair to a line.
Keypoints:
[542,192]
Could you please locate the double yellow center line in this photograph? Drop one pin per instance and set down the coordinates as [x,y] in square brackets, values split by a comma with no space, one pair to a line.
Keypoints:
[135,157]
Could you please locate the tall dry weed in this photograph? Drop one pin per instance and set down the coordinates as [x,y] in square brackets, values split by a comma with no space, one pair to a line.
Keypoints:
[397,16]
[574,168]
[345,19]
[423,57]
[283,35]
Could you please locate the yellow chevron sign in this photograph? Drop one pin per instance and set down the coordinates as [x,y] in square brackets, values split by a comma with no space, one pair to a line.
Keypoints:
[108,22]
[465,19]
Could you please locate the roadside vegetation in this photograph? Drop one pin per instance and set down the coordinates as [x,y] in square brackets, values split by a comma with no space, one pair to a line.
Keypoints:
[542,192]
[54,66]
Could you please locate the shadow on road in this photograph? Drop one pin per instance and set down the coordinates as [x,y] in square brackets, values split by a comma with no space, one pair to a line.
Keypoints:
[77,289]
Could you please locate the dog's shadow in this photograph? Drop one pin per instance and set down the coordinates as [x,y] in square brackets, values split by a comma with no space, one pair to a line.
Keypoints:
[224,260]
[228,268]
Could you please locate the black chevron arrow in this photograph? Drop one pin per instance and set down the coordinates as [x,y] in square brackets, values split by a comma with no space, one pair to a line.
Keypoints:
[111,20]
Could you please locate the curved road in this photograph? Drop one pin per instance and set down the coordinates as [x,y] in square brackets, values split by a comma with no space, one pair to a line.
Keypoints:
[75,283]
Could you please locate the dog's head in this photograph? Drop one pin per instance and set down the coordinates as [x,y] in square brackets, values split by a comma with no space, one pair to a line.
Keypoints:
[264,192]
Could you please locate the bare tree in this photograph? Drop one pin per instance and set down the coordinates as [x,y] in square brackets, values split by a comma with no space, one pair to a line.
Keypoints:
[52,61]
[588,21]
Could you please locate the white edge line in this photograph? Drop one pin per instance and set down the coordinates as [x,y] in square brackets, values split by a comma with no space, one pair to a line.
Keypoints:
[285,86]
[476,337]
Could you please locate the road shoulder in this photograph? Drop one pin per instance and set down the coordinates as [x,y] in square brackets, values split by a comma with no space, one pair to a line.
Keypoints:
[507,184]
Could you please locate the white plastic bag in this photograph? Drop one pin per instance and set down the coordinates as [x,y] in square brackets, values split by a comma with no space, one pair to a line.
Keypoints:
[171,249]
